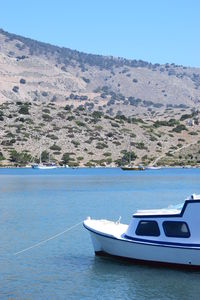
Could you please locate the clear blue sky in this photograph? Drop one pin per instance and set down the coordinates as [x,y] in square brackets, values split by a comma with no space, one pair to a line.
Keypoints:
[152,30]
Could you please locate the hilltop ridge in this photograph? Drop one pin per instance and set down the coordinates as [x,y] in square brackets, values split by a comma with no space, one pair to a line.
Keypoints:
[52,73]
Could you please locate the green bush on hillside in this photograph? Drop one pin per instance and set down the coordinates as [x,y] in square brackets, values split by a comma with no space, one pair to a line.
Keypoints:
[179,128]
[55,147]
[24,110]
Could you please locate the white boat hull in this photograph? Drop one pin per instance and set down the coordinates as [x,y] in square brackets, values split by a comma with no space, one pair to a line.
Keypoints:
[153,168]
[43,167]
[47,167]
[143,251]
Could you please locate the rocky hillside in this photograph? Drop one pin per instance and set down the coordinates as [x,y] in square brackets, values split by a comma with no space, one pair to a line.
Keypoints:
[77,137]
[88,110]
[35,71]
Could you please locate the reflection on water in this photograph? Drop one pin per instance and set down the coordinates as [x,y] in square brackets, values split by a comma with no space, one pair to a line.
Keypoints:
[35,205]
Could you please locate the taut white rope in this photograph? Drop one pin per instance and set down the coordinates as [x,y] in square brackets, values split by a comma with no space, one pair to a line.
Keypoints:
[51,238]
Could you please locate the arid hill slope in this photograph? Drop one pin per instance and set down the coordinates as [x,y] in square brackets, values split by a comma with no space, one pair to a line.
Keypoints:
[31,70]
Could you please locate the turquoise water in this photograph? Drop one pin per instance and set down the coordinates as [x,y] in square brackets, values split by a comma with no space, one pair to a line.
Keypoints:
[37,204]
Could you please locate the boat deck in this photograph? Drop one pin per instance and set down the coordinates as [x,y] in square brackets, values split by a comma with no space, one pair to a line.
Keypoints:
[106,227]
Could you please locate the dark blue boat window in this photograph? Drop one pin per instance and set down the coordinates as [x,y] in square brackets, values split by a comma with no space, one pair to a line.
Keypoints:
[148,228]
[176,229]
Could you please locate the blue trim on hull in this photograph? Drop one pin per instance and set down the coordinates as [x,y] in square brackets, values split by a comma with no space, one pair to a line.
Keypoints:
[179,245]
[128,239]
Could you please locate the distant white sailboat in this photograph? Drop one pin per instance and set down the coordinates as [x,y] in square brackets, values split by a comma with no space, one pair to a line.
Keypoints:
[130,166]
[44,166]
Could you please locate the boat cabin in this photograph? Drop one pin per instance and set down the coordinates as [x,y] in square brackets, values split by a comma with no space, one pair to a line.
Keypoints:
[168,226]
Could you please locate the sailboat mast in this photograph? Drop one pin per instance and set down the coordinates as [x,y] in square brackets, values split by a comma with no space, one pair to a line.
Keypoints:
[129,150]
[40,155]
[130,146]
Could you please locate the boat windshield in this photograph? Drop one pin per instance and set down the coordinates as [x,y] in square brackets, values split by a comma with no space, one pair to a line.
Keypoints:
[177,206]
[172,209]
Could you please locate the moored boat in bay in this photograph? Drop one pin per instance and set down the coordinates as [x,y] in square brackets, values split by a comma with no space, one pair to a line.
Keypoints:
[44,166]
[133,168]
[162,236]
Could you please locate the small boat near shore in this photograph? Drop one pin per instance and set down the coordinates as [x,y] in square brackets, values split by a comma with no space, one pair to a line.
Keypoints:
[162,236]
[152,168]
[129,166]
[133,168]
[46,166]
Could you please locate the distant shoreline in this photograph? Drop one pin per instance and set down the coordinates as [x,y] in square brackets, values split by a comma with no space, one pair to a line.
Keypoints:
[103,167]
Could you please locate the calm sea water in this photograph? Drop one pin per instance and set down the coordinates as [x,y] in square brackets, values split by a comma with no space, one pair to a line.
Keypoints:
[37,204]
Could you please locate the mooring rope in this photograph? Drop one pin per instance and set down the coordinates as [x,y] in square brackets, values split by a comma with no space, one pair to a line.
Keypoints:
[51,238]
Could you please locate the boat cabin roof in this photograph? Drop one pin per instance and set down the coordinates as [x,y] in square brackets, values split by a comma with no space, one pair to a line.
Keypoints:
[163,211]
[166,211]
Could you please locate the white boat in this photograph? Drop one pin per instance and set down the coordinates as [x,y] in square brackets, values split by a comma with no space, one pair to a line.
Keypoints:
[152,168]
[163,236]
[46,166]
